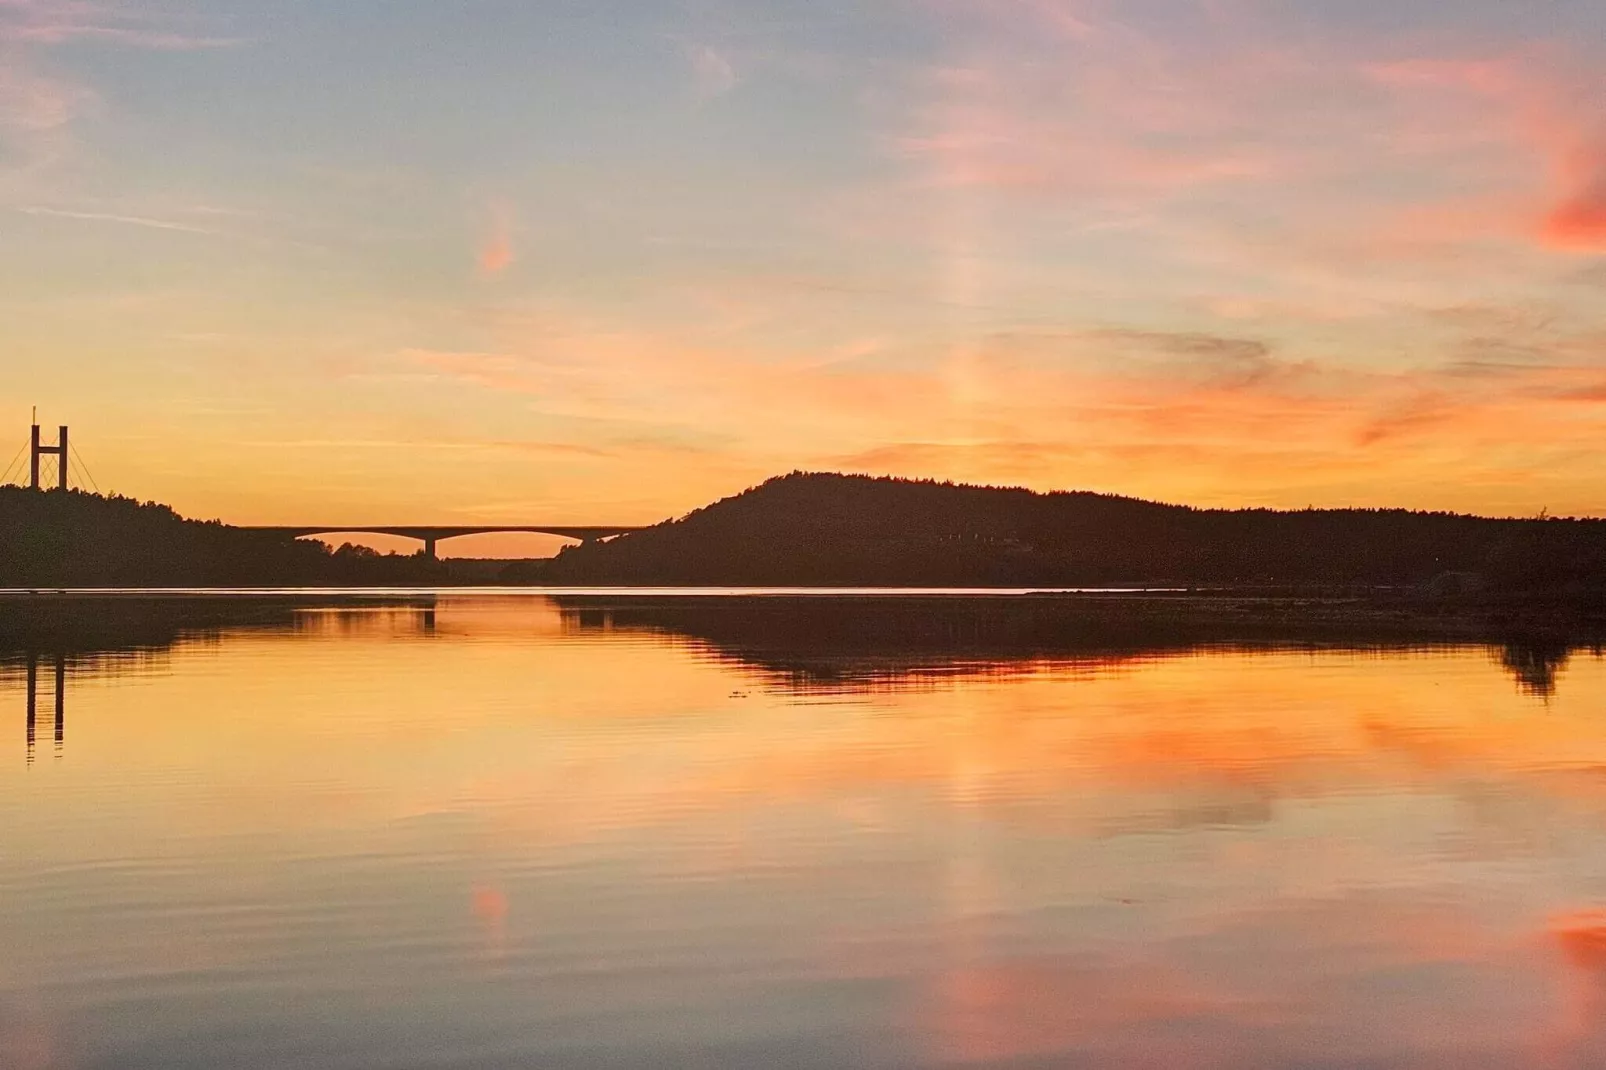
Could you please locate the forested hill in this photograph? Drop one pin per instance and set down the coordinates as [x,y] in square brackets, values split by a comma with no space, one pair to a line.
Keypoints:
[75,539]
[825,529]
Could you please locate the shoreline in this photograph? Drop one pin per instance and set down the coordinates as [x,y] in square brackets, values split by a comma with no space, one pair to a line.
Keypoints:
[1387,609]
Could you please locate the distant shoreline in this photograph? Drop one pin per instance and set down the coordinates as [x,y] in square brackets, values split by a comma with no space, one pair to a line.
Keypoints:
[1388,610]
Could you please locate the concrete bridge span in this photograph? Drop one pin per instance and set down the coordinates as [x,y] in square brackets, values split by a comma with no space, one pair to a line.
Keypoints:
[430,534]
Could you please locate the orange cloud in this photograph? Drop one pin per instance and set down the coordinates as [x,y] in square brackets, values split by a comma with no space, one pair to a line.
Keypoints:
[489,904]
[1183,415]
[1582,937]
[496,250]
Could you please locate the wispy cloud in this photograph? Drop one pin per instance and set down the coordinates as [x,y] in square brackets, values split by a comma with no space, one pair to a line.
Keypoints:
[51,35]
[125,220]
[38,100]
[53,22]
[1041,98]
[517,445]
[713,74]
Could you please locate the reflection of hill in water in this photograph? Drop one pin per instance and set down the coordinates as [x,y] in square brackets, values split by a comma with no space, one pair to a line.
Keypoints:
[800,642]
[844,643]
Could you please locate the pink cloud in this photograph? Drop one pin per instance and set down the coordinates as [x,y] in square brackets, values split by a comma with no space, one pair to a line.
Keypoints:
[33,103]
[36,115]
[1071,130]
[1069,104]
[1535,109]
[1579,222]
[1070,100]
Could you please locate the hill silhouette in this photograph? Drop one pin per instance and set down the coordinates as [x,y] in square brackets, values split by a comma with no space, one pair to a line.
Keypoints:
[829,529]
[76,539]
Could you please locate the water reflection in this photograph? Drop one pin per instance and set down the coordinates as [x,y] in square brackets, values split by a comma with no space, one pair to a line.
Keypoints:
[59,706]
[485,832]
[98,636]
[1536,661]
[824,644]
[808,644]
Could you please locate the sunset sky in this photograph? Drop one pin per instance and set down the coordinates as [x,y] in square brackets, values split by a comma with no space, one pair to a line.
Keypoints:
[604,260]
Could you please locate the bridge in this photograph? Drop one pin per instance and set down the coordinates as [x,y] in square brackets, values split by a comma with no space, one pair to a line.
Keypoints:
[430,535]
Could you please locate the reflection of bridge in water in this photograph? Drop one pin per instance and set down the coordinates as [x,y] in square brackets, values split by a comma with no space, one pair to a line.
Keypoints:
[430,535]
[60,707]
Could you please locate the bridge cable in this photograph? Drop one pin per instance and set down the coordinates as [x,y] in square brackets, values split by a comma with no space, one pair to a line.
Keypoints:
[83,466]
[6,476]
[76,475]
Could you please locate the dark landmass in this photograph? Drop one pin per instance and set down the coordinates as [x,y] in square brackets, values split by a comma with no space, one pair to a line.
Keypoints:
[835,530]
[64,539]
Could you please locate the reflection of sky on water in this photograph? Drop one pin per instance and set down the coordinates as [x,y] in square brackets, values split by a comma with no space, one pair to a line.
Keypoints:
[484,835]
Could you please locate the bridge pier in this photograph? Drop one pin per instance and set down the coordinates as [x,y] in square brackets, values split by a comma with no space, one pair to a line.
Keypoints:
[429,547]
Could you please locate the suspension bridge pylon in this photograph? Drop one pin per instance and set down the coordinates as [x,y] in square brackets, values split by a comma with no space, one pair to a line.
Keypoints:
[37,449]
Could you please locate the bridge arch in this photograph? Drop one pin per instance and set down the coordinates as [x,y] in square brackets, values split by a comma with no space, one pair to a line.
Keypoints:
[431,534]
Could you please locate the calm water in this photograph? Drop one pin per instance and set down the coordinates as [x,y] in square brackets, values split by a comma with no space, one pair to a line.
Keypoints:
[519,832]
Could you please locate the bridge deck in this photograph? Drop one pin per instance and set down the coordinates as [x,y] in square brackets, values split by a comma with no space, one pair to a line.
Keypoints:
[445,531]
